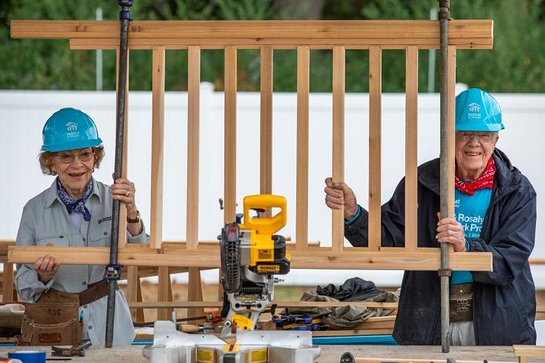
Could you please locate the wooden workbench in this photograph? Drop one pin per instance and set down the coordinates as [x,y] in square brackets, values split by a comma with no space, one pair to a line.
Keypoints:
[329,353]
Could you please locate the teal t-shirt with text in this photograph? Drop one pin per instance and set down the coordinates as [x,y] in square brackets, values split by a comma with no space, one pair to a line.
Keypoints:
[470,210]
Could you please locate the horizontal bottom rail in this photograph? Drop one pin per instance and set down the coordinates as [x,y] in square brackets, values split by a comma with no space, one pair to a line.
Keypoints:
[281,304]
[421,259]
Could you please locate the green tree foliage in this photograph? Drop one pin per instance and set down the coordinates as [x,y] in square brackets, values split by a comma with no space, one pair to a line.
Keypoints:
[514,65]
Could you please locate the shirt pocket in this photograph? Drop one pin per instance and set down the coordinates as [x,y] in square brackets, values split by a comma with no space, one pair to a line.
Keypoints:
[57,239]
[99,234]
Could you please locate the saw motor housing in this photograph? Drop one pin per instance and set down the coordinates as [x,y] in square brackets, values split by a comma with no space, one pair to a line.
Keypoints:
[250,257]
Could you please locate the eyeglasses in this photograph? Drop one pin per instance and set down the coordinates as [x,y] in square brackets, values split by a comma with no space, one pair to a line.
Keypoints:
[67,158]
[484,137]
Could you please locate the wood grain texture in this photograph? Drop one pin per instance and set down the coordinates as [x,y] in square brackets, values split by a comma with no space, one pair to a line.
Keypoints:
[193,134]
[230,136]
[303,91]
[411,148]
[157,145]
[175,34]
[337,134]
[312,258]
[375,147]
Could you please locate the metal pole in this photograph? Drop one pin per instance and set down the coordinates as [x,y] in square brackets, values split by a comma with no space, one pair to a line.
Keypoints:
[444,272]
[113,270]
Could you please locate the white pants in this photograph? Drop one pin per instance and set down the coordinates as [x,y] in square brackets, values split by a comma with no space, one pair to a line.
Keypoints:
[461,333]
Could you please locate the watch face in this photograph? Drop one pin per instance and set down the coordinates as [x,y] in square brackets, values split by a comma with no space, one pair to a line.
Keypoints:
[134,220]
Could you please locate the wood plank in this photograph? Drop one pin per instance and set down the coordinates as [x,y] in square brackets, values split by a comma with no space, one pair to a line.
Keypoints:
[282,304]
[462,33]
[348,332]
[337,132]
[328,353]
[192,230]
[525,351]
[4,245]
[131,291]
[164,293]
[410,360]
[193,129]
[122,237]
[166,245]
[157,146]
[266,119]
[194,291]
[451,141]
[140,317]
[206,43]
[314,258]
[230,136]
[301,186]
[411,148]
[375,153]
[7,282]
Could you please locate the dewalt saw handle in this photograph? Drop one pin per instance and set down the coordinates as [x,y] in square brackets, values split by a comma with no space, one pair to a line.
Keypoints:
[266,225]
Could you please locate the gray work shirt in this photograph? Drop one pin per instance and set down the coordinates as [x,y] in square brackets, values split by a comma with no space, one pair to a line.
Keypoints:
[46,220]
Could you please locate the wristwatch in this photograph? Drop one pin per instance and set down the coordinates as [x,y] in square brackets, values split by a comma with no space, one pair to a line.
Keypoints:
[134,220]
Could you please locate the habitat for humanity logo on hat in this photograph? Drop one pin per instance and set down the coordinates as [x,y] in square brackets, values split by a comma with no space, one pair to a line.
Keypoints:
[72,130]
[474,110]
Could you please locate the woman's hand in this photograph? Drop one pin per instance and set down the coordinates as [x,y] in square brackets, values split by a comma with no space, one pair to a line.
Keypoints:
[337,195]
[449,230]
[46,267]
[125,191]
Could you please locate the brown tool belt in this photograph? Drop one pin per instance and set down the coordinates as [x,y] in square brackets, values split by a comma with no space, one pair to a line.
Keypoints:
[55,319]
[461,303]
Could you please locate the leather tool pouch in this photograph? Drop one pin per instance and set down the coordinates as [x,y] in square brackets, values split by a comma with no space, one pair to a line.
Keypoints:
[53,319]
[461,303]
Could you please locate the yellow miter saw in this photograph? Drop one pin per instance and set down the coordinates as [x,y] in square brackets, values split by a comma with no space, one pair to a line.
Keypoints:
[251,256]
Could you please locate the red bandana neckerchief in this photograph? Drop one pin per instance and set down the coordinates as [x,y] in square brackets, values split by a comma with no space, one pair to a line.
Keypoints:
[484,181]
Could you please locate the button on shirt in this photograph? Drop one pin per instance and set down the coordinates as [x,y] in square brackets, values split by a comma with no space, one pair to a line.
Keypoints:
[46,220]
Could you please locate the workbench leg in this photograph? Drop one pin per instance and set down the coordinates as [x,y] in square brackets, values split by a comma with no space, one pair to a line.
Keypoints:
[133,284]
[7,283]
[194,292]
[164,293]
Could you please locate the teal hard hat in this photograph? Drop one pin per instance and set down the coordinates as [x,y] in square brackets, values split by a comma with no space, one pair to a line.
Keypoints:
[69,129]
[476,110]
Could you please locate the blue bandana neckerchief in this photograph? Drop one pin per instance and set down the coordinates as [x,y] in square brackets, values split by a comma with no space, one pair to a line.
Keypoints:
[78,205]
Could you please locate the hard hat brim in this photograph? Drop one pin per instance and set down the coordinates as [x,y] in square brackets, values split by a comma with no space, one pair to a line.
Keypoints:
[73,145]
[480,127]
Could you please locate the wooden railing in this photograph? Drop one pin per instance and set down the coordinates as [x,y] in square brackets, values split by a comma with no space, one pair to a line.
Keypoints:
[373,37]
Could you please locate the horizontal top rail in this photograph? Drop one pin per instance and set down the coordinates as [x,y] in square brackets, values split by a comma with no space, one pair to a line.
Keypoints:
[178,34]
[313,258]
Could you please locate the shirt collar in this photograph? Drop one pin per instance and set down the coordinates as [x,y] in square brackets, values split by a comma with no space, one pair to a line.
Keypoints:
[51,194]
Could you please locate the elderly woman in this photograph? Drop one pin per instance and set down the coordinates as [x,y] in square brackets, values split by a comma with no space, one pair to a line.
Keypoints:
[76,211]
[495,211]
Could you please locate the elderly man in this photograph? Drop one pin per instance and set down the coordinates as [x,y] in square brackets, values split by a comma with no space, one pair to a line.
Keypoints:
[495,211]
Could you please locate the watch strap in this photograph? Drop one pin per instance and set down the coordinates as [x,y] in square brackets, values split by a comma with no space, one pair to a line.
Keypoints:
[134,220]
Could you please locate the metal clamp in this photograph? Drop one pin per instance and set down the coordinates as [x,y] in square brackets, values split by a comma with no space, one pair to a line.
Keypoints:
[113,271]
